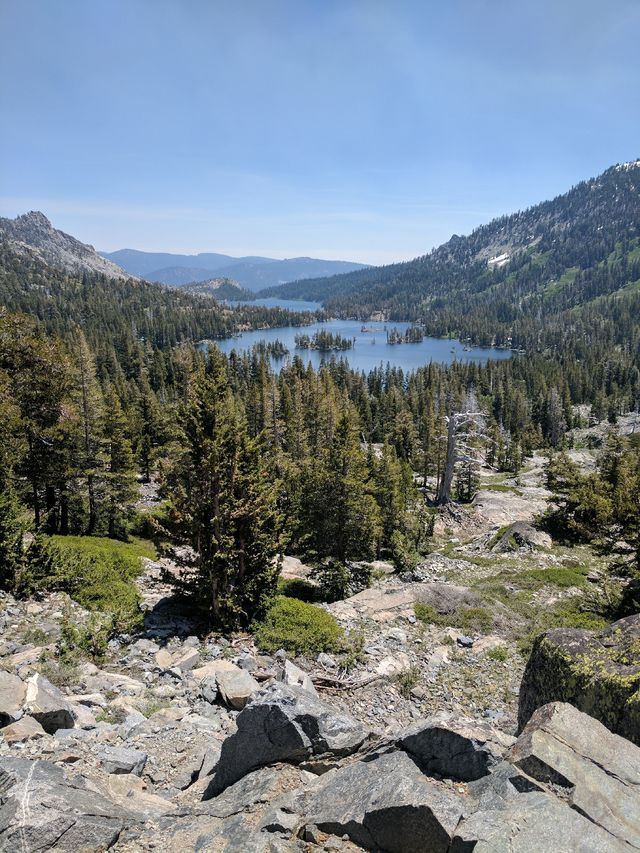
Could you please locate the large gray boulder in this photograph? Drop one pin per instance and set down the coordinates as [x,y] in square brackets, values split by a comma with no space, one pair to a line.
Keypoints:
[532,823]
[454,748]
[12,694]
[598,771]
[41,810]
[46,807]
[283,723]
[386,804]
[598,673]
[48,705]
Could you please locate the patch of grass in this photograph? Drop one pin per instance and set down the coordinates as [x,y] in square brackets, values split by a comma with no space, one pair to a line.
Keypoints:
[354,653]
[94,546]
[39,637]
[473,619]
[469,619]
[500,487]
[428,614]
[153,705]
[299,628]
[498,653]
[61,673]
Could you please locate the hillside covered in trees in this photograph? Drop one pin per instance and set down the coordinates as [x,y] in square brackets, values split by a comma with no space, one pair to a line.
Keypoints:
[564,261]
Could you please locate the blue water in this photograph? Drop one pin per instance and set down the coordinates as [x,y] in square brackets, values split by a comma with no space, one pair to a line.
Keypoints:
[370,349]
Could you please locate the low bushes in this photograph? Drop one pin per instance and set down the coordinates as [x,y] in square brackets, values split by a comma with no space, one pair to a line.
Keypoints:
[96,572]
[299,628]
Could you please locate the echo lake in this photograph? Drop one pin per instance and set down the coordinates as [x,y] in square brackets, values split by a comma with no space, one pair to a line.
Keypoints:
[370,348]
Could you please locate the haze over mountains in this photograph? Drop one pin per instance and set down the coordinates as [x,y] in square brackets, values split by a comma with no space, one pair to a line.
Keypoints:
[251,272]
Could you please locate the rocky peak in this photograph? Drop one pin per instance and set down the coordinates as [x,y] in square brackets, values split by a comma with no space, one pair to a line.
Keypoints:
[33,232]
[34,219]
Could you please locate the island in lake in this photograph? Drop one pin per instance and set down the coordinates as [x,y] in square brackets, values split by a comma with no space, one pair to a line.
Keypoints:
[323,341]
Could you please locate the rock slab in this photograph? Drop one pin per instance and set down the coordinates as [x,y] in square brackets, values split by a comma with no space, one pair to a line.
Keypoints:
[288,724]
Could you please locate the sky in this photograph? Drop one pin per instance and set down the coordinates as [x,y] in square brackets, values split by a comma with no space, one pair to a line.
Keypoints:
[367,130]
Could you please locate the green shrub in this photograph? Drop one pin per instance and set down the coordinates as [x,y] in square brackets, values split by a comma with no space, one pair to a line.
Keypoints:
[407,680]
[498,653]
[298,588]
[354,650]
[428,614]
[338,580]
[299,628]
[96,572]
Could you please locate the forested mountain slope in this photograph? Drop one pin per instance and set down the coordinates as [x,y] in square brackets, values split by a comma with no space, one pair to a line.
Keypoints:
[116,311]
[500,281]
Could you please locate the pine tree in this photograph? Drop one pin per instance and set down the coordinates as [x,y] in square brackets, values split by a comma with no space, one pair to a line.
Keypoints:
[222,503]
[90,405]
[12,531]
[119,477]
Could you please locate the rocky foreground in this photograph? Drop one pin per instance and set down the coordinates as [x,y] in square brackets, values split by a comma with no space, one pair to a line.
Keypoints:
[207,747]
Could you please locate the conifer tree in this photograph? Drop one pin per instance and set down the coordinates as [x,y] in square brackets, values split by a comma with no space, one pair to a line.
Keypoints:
[222,504]
[119,478]
[90,406]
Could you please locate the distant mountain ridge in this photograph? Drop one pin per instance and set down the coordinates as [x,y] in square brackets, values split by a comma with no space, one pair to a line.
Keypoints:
[34,235]
[251,272]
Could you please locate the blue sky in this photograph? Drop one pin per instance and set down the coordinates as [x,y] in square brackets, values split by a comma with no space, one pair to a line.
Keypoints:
[351,129]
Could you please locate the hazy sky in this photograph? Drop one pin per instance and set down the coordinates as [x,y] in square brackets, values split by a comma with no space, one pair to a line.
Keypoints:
[351,129]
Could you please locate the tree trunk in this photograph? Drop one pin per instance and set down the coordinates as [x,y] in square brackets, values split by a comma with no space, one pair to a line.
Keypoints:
[444,490]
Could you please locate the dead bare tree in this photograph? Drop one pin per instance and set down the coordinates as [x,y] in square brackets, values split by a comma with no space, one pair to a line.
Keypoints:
[465,435]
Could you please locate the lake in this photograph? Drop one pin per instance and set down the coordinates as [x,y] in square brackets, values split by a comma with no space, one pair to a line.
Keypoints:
[370,349]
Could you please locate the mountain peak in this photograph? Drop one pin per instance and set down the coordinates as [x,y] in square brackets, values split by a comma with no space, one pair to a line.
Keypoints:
[33,233]
[36,218]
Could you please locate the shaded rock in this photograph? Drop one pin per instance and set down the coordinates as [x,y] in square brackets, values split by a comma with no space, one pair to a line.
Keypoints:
[455,748]
[119,759]
[283,723]
[12,695]
[209,689]
[598,673]
[521,536]
[236,688]
[26,728]
[47,704]
[600,771]
[386,804]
